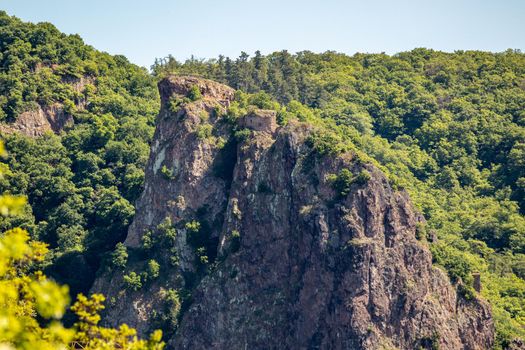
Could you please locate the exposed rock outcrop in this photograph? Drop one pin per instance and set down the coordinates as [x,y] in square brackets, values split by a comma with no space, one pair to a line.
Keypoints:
[39,120]
[295,264]
[181,183]
[260,120]
[53,118]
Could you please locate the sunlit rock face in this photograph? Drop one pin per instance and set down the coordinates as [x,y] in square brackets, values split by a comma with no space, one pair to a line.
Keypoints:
[291,263]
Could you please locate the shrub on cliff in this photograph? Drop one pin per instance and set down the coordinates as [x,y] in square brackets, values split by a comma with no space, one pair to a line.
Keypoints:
[133,281]
[194,93]
[343,181]
[152,270]
[119,257]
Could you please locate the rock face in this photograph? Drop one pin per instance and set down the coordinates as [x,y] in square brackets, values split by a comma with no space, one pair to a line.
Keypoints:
[36,122]
[260,120]
[291,263]
[50,118]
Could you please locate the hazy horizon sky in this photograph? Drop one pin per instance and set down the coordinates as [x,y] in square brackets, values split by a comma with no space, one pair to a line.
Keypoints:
[144,30]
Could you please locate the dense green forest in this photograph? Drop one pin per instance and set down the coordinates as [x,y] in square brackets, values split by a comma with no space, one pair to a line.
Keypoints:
[81,185]
[447,127]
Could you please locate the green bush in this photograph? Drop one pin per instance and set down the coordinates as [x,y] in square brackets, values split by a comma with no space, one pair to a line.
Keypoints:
[193,227]
[342,182]
[172,308]
[362,178]
[453,261]
[194,93]
[163,237]
[175,103]
[152,270]
[119,257]
[147,240]
[202,255]
[132,281]
[166,231]
[204,131]
[167,173]
[466,291]
[325,144]
[243,135]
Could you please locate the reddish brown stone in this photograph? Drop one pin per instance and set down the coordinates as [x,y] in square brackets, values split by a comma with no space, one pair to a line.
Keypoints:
[311,270]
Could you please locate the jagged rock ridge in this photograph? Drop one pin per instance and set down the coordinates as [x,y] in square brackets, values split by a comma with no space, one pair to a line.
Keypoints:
[296,265]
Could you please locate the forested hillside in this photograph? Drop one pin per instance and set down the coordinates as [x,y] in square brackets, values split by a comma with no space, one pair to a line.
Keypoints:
[81,184]
[447,127]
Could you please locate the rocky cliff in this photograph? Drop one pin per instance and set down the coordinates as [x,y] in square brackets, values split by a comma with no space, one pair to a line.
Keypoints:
[39,120]
[263,251]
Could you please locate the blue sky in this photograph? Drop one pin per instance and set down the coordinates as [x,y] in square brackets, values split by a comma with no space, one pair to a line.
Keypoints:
[143,30]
